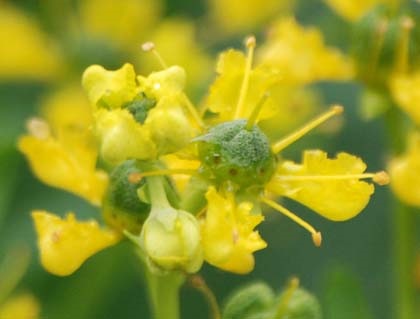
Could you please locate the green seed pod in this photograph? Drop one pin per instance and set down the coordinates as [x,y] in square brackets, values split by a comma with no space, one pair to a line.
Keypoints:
[140,107]
[122,208]
[298,304]
[231,152]
[384,43]
[252,301]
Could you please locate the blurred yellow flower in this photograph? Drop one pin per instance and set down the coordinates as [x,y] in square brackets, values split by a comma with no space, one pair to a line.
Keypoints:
[228,234]
[353,10]
[136,18]
[63,153]
[298,55]
[405,172]
[26,52]
[405,89]
[334,198]
[23,306]
[64,244]
[234,16]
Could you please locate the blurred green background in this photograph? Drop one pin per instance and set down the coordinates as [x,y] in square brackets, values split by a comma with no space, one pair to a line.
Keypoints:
[350,273]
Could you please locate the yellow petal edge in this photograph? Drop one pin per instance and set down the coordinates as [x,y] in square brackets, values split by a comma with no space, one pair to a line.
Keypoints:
[66,243]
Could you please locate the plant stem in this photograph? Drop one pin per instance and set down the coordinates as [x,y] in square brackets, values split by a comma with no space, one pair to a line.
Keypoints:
[403,223]
[164,294]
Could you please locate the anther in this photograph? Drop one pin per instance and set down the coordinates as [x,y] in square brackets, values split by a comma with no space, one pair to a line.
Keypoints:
[381,178]
[134,178]
[38,128]
[317,239]
[150,47]
[250,42]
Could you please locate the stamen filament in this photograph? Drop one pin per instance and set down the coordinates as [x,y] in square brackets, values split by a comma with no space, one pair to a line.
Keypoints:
[280,145]
[150,47]
[316,235]
[193,111]
[250,44]
[380,178]
[378,42]
[137,177]
[256,111]
[401,63]
[284,304]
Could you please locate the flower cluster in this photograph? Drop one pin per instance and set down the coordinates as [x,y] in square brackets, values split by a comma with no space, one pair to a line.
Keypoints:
[188,184]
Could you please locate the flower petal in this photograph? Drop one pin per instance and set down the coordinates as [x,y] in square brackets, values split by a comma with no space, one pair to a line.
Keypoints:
[228,235]
[20,307]
[110,89]
[405,173]
[65,244]
[335,199]
[405,90]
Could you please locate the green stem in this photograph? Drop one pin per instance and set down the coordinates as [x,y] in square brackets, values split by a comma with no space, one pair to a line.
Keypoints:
[404,232]
[164,294]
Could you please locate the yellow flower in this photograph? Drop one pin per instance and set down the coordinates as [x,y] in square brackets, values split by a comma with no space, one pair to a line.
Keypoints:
[26,52]
[65,244]
[335,199]
[63,154]
[110,89]
[135,19]
[405,90]
[353,10]
[405,172]
[298,55]
[23,306]
[228,234]
[238,15]
[180,34]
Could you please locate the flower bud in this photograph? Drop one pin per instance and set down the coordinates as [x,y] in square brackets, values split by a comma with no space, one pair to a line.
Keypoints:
[169,81]
[169,126]
[171,240]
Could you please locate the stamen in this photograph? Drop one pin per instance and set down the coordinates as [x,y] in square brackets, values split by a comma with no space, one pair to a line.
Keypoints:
[38,127]
[193,111]
[250,43]
[401,63]
[137,177]
[256,111]
[316,235]
[378,42]
[150,47]
[280,145]
[381,178]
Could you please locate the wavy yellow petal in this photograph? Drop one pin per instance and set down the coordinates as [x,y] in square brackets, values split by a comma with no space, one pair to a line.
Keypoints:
[299,55]
[122,137]
[20,307]
[335,199]
[65,244]
[406,91]
[224,92]
[26,52]
[405,173]
[110,89]
[169,81]
[228,235]
[58,166]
